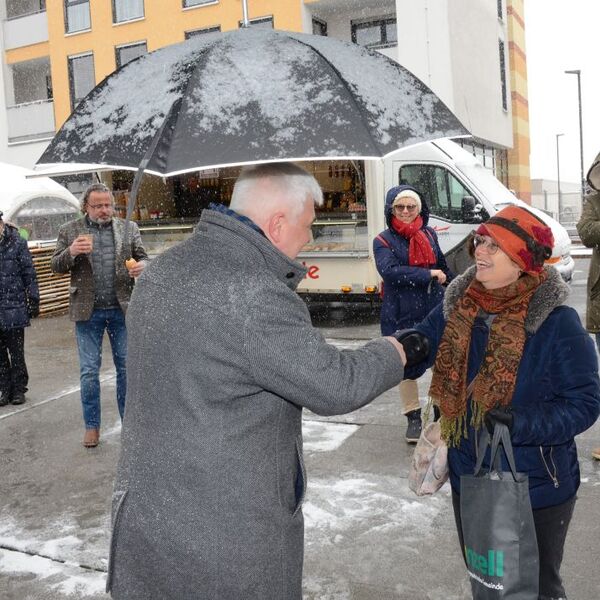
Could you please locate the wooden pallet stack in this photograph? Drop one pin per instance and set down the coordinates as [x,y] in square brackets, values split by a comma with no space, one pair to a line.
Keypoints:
[54,288]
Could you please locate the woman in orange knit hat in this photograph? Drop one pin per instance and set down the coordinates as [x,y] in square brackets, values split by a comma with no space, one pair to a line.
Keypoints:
[505,349]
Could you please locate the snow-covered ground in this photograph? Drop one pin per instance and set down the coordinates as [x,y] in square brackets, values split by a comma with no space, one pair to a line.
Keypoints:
[368,537]
[65,560]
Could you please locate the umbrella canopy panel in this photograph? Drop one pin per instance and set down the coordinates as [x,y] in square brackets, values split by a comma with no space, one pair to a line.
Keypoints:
[249,96]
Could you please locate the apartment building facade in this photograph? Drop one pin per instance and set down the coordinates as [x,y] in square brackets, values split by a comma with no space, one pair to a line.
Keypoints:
[471,54]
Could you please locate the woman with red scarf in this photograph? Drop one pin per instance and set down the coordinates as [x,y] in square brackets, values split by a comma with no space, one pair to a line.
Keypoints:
[414,271]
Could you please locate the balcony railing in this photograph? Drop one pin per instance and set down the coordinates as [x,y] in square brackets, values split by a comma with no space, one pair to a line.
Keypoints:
[30,121]
[26,30]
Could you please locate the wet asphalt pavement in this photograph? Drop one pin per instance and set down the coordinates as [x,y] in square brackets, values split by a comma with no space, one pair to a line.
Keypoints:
[368,537]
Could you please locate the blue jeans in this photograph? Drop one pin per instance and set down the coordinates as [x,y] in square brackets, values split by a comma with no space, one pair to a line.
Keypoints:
[89,343]
[598,341]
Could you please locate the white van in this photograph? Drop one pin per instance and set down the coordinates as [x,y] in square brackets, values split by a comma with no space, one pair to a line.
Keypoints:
[38,206]
[460,192]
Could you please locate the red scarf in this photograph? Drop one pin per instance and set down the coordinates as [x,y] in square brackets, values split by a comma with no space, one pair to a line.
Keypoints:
[420,252]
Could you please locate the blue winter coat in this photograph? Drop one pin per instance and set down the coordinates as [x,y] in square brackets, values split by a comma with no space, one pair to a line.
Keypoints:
[409,293]
[18,282]
[557,391]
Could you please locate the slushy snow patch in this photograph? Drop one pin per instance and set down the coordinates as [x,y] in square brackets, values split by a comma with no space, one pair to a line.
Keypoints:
[63,579]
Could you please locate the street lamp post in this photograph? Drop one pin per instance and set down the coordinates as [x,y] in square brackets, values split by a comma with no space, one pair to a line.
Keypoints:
[558,176]
[578,73]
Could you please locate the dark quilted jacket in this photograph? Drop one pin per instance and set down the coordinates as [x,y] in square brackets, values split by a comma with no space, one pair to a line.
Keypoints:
[557,391]
[18,282]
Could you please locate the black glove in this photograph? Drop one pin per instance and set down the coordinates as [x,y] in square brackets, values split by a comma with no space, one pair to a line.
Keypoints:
[498,415]
[33,308]
[415,344]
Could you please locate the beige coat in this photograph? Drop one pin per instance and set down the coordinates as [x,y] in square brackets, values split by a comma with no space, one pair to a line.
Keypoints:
[81,290]
[589,232]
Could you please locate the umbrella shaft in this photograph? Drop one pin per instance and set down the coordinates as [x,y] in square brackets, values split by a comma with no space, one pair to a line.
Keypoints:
[245,13]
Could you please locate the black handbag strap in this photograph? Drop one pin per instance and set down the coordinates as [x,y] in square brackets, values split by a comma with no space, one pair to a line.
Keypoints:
[501,436]
[484,440]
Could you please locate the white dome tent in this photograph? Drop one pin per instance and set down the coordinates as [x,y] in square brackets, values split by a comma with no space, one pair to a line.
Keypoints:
[38,206]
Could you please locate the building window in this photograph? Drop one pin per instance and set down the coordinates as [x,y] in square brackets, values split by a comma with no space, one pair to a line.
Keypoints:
[501,166]
[380,33]
[22,8]
[319,27]
[125,54]
[495,159]
[77,15]
[127,10]
[503,75]
[266,22]
[81,77]
[500,10]
[31,81]
[196,32]
[189,3]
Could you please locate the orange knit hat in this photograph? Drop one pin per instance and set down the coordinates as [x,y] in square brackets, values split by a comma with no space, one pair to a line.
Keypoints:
[523,236]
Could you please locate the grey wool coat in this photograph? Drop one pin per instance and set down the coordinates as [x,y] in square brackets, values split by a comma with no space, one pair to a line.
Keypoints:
[222,359]
[81,290]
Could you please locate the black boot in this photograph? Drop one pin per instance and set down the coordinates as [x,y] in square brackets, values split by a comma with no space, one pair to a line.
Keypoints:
[4,398]
[18,398]
[413,429]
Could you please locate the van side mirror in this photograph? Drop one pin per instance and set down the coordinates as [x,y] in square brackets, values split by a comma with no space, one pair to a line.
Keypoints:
[471,210]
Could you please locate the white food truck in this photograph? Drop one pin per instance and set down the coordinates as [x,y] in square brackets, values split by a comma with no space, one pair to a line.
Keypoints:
[460,192]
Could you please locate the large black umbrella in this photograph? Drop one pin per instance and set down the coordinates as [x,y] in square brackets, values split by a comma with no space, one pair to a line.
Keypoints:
[248,96]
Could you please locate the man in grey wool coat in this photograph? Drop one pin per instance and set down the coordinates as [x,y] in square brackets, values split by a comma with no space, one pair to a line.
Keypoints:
[222,359]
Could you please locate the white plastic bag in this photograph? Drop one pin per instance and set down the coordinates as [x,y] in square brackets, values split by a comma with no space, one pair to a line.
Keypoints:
[429,467]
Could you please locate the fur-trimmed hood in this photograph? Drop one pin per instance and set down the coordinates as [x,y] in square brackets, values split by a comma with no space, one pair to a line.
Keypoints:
[552,293]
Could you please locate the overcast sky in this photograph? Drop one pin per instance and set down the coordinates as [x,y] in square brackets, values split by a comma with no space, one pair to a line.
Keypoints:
[562,35]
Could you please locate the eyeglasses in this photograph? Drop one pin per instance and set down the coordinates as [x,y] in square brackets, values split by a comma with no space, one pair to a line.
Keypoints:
[403,207]
[490,245]
[97,206]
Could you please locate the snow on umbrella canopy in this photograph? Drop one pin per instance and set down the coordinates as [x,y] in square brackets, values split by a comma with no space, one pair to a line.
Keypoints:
[248,96]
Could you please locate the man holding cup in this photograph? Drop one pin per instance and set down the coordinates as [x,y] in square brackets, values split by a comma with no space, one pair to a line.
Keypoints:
[93,250]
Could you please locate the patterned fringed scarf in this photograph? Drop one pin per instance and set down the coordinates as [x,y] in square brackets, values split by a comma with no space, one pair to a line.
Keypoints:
[495,382]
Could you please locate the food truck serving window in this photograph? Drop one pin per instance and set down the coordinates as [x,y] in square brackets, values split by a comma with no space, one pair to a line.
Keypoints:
[341,223]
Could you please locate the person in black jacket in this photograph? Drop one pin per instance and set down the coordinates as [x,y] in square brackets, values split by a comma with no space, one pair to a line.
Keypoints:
[19,301]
